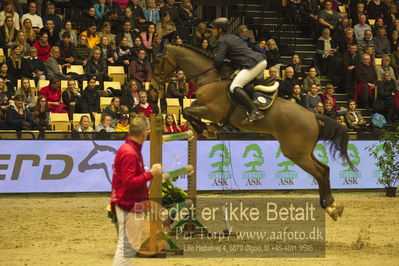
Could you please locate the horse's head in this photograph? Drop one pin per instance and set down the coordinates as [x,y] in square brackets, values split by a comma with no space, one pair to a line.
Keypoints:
[164,65]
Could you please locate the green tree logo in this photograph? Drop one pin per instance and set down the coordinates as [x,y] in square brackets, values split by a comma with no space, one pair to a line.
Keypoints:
[257,155]
[354,157]
[286,172]
[224,155]
[378,173]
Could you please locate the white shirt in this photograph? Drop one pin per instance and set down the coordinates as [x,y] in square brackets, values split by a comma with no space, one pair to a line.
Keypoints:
[37,21]
[15,19]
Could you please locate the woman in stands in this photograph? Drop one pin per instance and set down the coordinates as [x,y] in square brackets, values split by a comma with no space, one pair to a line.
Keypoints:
[297,95]
[21,41]
[385,67]
[18,116]
[72,33]
[71,98]
[328,96]
[28,30]
[4,95]
[53,67]
[91,98]
[26,91]
[96,66]
[52,92]
[386,92]
[296,64]
[41,115]
[312,98]
[123,124]
[171,125]
[114,110]
[83,51]
[5,75]
[17,66]
[130,97]
[9,10]
[273,55]
[166,28]
[84,126]
[8,34]
[205,45]
[148,36]
[43,47]
[100,9]
[106,31]
[311,79]
[123,55]
[261,47]
[328,18]
[327,50]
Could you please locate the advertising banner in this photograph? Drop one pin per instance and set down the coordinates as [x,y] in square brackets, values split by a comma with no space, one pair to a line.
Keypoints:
[86,166]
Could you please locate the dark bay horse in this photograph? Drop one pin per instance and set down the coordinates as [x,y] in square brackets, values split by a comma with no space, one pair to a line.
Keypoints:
[296,128]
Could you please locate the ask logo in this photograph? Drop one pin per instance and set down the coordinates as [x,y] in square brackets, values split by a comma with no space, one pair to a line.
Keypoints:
[222,160]
[254,154]
[286,174]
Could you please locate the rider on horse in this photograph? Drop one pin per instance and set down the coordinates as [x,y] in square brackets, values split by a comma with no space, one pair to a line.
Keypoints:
[251,63]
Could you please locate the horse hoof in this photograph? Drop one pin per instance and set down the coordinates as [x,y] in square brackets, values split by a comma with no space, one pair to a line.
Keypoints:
[339,209]
[333,214]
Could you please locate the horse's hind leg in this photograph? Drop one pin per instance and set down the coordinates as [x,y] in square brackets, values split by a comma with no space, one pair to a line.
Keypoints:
[193,115]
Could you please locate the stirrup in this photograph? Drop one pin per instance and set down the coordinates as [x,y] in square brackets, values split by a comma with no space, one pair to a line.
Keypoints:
[252,117]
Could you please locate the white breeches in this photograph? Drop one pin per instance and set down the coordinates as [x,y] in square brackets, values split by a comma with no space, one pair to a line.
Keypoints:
[246,75]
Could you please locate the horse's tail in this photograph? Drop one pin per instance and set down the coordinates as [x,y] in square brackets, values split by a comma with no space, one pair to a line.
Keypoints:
[337,136]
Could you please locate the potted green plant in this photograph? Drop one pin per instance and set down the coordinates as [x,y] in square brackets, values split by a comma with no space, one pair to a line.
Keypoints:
[387,155]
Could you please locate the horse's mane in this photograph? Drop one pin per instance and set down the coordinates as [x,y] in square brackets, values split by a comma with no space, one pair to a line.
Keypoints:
[195,49]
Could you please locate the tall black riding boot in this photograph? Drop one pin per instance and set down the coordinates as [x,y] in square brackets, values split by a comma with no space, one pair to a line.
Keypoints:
[253,112]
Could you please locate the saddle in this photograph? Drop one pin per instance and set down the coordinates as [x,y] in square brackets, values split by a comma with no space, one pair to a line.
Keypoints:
[262,91]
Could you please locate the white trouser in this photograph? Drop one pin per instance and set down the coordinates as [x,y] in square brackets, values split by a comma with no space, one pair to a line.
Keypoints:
[129,236]
[247,75]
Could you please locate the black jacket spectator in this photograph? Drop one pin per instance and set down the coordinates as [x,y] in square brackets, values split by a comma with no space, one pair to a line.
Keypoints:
[374,11]
[53,37]
[173,12]
[273,57]
[17,121]
[137,11]
[128,100]
[285,88]
[90,102]
[98,69]
[16,69]
[32,65]
[67,52]
[3,38]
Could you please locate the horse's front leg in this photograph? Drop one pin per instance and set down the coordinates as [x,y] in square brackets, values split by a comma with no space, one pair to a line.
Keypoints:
[193,115]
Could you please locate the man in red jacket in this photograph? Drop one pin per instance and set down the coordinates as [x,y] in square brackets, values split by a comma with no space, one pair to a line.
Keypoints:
[129,186]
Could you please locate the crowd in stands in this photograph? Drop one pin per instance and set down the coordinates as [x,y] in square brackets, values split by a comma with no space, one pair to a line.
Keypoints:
[42,45]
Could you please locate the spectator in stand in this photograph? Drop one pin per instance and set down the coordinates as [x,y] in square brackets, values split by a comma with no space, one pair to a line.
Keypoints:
[90,101]
[348,39]
[68,50]
[83,52]
[178,87]
[127,33]
[377,8]
[296,64]
[309,10]
[157,46]
[106,32]
[5,75]
[88,19]
[26,91]
[148,36]
[52,92]
[378,24]
[71,98]
[385,99]
[186,14]
[100,9]
[17,65]
[311,79]
[72,33]
[123,124]
[327,52]
[361,27]
[96,66]
[273,55]
[366,79]
[41,115]
[5,95]
[319,108]
[370,50]
[37,22]
[328,18]
[137,11]
[140,69]
[273,73]
[53,34]
[358,8]
[385,67]
[286,86]
[201,33]
[172,10]
[329,111]
[297,95]
[137,46]
[144,107]
[312,98]
[8,34]
[394,40]
[9,10]
[84,126]
[152,13]
[351,59]
[105,125]
[205,46]
[107,53]
[259,47]
[117,4]
[395,61]
[18,116]
[328,96]
[114,110]
[123,54]
[353,118]
[21,41]
[393,14]
[128,16]
[50,15]
[381,43]
[91,35]
[43,47]
[395,26]
[30,34]
[130,97]
[166,29]
[171,125]
[339,32]
[243,35]
[53,67]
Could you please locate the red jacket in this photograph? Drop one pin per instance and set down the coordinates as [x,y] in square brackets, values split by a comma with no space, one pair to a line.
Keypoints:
[129,178]
[43,52]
